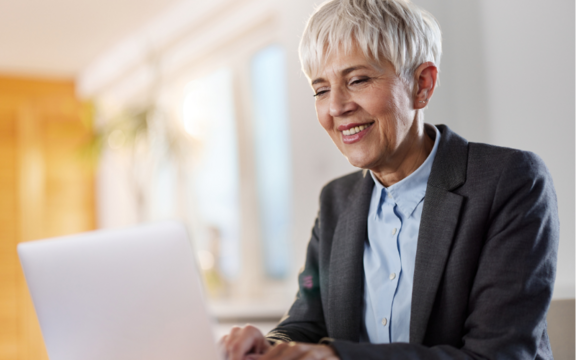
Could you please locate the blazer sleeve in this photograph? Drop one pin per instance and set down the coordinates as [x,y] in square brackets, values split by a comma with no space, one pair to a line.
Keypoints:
[304,322]
[513,285]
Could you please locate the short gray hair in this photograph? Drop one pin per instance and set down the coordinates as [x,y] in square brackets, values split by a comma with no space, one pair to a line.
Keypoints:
[395,30]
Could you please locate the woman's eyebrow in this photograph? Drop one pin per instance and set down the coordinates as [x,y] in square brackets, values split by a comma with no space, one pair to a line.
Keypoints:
[316,81]
[342,72]
[352,68]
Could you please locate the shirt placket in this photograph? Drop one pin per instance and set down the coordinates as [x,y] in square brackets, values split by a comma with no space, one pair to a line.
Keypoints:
[391,266]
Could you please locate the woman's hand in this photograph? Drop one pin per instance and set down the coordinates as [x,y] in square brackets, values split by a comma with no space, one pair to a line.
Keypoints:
[299,351]
[244,341]
[248,343]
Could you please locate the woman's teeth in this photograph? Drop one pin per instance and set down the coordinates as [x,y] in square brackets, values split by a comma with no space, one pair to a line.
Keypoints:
[354,130]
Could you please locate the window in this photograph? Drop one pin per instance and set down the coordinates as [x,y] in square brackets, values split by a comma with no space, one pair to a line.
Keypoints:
[272,152]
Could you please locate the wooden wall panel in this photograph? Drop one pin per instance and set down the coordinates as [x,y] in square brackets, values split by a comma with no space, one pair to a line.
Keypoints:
[8,236]
[45,190]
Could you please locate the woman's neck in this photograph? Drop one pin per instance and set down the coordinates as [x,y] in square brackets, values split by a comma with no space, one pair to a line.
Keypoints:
[410,155]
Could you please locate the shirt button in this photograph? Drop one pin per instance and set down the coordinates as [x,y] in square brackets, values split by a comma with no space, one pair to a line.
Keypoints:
[384,321]
[394,231]
[392,276]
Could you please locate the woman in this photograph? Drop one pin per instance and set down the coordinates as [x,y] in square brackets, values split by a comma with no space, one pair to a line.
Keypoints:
[440,248]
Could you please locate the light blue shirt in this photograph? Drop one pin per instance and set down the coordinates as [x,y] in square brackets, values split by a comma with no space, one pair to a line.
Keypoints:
[390,253]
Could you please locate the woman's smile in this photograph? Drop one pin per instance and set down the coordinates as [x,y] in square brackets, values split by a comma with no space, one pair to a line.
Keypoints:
[352,133]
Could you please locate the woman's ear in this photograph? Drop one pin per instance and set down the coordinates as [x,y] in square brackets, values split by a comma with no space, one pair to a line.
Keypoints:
[425,77]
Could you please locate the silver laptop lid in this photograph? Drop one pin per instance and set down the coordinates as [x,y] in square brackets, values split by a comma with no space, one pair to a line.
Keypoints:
[119,294]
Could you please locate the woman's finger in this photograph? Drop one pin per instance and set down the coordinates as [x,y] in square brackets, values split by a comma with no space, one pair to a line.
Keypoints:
[243,341]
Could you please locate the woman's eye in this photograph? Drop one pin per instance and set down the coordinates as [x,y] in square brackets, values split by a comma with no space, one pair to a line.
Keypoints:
[359,81]
[320,92]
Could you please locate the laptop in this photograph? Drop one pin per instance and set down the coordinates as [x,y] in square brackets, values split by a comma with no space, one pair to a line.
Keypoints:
[125,294]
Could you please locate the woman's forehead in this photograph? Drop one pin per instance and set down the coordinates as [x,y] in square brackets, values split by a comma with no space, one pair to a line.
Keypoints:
[341,64]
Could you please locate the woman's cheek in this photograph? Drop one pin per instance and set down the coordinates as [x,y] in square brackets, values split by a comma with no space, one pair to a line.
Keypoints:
[325,120]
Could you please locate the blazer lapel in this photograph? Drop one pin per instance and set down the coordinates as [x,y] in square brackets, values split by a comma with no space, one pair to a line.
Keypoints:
[346,284]
[437,227]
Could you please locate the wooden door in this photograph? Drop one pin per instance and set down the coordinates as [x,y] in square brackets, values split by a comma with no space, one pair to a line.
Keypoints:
[46,189]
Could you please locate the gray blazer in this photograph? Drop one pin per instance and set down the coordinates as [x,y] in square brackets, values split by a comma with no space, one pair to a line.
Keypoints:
[485,262]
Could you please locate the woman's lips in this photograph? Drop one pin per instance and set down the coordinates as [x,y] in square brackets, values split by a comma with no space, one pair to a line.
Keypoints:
[357,136]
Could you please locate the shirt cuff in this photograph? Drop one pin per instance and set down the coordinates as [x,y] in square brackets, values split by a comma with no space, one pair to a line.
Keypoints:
[326,341]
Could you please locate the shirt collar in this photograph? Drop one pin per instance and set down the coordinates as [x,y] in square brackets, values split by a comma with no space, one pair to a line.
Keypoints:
[409,192]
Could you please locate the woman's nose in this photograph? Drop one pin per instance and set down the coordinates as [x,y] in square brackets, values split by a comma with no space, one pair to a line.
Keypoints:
[340,103]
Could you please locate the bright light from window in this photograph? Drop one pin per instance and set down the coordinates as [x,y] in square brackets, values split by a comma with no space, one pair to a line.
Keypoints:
[208,115]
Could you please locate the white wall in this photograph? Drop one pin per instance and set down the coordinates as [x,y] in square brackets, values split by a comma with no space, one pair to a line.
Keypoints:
[460,100]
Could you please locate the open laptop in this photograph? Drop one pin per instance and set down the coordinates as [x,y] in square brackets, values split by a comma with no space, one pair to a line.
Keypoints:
[124,294]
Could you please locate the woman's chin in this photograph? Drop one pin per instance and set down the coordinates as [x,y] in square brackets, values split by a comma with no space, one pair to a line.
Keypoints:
[359,162]
[364,155]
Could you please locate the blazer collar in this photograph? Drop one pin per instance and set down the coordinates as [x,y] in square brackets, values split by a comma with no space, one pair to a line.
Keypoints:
[449,167]
[346,284]
[438,225]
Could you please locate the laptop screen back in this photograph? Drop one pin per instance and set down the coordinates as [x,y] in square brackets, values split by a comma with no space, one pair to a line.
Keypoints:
[119,294]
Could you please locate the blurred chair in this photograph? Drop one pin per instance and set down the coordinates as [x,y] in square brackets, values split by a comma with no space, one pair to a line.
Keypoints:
[561,328]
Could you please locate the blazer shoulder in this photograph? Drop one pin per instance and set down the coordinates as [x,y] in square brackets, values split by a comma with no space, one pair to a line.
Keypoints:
[499,158]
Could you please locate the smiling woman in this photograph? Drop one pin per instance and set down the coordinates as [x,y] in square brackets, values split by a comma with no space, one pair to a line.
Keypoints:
[440,252]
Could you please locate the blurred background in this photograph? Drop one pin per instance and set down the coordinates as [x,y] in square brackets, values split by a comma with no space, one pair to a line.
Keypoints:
[118,112]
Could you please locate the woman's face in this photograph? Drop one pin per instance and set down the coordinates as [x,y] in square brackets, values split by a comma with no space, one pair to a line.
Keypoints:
[367,110]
